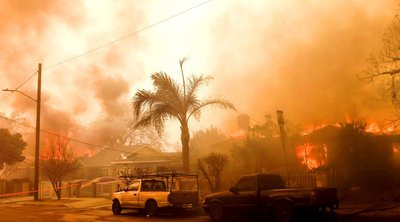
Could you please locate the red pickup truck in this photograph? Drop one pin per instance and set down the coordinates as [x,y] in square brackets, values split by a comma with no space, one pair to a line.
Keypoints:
[266,193]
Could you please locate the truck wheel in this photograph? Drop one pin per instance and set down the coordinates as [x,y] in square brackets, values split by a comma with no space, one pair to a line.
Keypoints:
[151,208]
[284,211]
[116,207]
[216,211]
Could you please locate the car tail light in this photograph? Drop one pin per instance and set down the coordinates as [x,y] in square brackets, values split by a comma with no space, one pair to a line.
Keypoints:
[169,198]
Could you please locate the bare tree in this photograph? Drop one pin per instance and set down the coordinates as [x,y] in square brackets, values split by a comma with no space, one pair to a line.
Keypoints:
[127,175]
[143,135]
[58,161]
[211,167]
[385,63]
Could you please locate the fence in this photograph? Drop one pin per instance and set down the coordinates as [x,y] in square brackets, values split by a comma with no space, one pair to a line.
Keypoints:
[85,189]
[299,177]
[20,186]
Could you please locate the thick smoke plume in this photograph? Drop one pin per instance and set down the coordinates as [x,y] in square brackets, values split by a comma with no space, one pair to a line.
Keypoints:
[301,57]
[88,96]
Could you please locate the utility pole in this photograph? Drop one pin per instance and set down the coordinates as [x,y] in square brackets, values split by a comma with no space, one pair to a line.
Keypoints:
[37,100]
[37,145]
[281,123]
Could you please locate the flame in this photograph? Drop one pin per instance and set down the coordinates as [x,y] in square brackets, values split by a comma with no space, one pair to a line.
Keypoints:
[371,127]
[314,156]
[348,118]
[56,147]
[311,129]
[374,127]
[311,155]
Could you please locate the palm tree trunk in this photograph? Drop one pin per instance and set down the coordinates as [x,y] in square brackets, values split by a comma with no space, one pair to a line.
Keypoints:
[185,146]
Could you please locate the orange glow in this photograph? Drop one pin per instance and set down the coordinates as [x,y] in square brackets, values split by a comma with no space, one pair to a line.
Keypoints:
[310,129]
[89,153]
[239,134]
[57,147]
[374,127]
[314,156]
[311,155]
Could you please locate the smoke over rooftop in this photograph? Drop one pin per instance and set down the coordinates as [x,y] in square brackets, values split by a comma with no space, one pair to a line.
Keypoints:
[301,57]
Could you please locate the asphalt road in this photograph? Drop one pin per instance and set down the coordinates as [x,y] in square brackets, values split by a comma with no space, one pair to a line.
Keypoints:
[50,213]
[26,213]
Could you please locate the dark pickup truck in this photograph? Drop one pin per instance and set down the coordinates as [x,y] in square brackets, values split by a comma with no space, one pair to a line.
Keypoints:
[266,193]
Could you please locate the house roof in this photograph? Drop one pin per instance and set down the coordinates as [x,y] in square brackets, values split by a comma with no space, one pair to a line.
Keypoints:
[135,153]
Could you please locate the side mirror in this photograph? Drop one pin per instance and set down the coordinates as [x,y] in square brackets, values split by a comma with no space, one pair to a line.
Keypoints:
[233,190]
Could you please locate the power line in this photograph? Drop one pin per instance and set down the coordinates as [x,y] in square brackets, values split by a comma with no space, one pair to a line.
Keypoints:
[18,87]
[109,43]
[128,35]
[69,138]
[93,50]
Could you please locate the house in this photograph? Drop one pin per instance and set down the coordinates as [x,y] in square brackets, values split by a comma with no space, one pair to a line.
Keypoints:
[110,161]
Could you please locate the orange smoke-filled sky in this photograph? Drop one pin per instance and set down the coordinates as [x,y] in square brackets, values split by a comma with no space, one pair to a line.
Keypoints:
[301,56]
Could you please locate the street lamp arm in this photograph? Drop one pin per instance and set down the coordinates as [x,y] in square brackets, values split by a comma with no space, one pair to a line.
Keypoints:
[16,90]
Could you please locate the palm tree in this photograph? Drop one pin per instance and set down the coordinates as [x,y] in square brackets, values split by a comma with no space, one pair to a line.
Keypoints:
[170,100]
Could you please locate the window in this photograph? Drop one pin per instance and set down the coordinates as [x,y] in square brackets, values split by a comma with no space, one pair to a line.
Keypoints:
[268,182]
[134,186]
[246,184]
[146,185]
[159,186]
[153,185]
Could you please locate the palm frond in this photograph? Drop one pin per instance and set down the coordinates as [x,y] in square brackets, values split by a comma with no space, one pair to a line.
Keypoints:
[156,116]
[194,83]
[142,99]
[224,104]
[168,88]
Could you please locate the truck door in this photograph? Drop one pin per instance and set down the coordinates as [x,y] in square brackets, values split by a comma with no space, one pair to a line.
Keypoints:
[246,193]
[131,196]
[267,182]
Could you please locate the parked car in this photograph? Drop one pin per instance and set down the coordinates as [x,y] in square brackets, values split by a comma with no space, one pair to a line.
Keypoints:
[266,193]
[153,192]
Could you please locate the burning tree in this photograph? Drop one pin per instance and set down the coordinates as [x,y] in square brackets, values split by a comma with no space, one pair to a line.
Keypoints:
[58,161]
[211,167]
